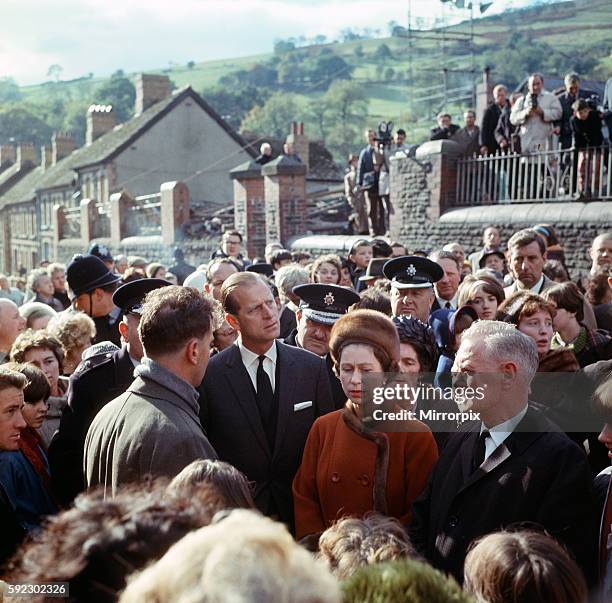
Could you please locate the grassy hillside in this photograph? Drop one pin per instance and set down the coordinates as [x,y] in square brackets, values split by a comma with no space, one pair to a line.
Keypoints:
[415,92]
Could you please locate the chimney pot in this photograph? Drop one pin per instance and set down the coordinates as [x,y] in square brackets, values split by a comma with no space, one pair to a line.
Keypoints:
[8,155]
[62,144]
[100,120]
[26,155]
[150,89]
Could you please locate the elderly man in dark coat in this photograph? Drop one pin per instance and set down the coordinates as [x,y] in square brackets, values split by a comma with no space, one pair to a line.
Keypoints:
[153,428]
[511,466]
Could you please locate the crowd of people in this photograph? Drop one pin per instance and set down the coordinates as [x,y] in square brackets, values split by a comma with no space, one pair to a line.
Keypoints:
[183,433]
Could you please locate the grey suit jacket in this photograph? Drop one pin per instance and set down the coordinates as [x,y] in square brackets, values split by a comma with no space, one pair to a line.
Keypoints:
[148,430]
[230,416]
[589,315]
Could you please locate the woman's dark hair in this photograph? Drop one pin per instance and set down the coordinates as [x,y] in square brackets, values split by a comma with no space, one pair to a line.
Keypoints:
[597,289]
[96,544]
[231,484]
[420,336]
[555,271]
[566,296]
[549,232]
[38,387]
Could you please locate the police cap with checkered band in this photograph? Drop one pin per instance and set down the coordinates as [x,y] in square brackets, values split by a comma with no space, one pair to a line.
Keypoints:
[325,303]
[412,272]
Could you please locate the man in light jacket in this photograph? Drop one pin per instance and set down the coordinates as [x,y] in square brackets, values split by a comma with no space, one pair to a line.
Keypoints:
[154,427]
[535,113]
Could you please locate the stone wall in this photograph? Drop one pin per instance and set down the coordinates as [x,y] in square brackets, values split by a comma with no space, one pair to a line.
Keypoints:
[422,193]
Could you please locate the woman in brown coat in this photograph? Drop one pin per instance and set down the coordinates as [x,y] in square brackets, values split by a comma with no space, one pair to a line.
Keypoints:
[345,470]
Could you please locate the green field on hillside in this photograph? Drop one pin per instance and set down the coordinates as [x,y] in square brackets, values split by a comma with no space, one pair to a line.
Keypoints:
[574,29]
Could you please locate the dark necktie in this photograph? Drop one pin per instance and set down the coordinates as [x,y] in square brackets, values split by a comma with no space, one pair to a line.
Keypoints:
[448,305]
[479,450]
[265,401]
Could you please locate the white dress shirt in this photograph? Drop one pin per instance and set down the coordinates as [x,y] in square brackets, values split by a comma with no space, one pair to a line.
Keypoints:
[251,363]
[499,433]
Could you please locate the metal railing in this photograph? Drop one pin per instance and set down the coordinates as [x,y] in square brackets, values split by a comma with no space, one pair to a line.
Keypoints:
[551,175]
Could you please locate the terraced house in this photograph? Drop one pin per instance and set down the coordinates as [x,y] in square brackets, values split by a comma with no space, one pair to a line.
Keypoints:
[172,137]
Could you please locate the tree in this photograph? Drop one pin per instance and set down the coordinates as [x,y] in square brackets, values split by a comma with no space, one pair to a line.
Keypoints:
[389,73]
[274,117]
[55,71]
[283,46]
[234,103]
[346,111]
[118,92]
[383,52]
[358,51]
[190,64]
[22,125]
[9,90]
[329,68]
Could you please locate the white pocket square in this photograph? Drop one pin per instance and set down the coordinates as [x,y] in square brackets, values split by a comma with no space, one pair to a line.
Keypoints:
[302,405]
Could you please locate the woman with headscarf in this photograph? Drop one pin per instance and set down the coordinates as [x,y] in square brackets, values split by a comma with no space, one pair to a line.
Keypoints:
[347,470]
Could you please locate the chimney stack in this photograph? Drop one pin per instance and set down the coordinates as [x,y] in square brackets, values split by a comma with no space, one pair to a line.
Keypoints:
[8,156]
[150,89]
[301,145]
[100,120]
[62,144]
[26,155]
[46,157]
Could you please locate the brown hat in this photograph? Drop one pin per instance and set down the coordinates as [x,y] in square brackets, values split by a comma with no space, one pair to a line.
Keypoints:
[367,327]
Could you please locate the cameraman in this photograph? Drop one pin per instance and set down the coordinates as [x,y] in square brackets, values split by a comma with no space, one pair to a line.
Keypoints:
[367,178]
[446,129]
[535,114]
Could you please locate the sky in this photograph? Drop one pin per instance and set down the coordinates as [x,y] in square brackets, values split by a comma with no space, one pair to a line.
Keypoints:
[101,36]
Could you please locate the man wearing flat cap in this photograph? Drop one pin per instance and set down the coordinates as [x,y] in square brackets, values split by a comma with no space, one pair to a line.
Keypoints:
[412,285]
[92,286]
[320,307]
[96,382]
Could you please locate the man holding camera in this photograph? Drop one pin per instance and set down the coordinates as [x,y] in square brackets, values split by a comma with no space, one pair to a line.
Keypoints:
[535,114]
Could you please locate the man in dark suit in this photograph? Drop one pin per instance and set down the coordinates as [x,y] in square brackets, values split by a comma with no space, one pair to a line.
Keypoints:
[468,137]
[490,119]
[320,307]
[511,466]
[527,254]
[260,397]
[97,381]
[446,129]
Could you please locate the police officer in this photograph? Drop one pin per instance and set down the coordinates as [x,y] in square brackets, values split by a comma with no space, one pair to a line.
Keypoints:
[412,285]
[92,286]
[320,307]
[96,381]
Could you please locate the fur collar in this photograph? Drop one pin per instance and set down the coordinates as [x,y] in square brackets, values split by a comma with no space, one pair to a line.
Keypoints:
[379,492]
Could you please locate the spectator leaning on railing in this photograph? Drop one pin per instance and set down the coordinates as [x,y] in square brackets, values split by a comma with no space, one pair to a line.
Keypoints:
[535,113]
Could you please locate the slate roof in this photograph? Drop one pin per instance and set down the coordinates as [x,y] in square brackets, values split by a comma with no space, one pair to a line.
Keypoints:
[122,136]
[105,148]
[24,190]
[11,175]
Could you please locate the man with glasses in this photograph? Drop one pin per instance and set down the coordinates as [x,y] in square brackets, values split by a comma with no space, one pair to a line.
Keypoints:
[231,245]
